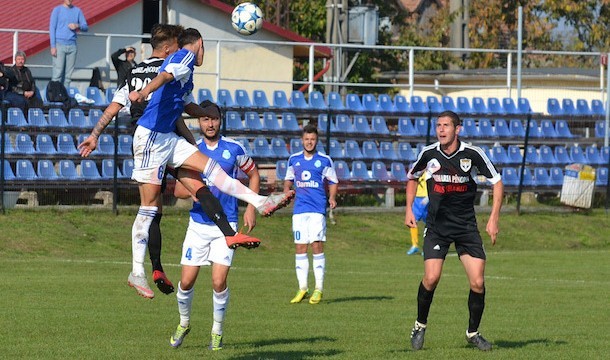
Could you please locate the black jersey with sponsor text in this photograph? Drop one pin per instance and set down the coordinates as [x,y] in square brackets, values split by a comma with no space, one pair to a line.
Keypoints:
[451,185]
[139,77]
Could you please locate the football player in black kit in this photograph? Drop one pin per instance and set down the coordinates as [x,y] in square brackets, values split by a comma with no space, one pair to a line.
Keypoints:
[451,164]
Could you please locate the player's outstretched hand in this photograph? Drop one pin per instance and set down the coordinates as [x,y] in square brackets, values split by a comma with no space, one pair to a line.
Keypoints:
[136,97]
[86,147]
[492,230]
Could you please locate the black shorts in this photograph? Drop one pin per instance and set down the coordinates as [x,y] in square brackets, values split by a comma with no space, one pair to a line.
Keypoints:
[436,246]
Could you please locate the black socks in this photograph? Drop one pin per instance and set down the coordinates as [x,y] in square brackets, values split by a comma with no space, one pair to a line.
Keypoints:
[154,242]
[212,208]
[424,300]
[476,305]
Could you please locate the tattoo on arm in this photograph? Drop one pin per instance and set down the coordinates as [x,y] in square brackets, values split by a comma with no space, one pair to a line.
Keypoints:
[104,120]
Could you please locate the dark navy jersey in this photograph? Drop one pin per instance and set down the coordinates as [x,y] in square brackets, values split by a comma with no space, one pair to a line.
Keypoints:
[451,185]
[137,79]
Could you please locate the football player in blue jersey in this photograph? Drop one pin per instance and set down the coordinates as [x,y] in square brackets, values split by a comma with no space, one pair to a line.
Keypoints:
[309,171]
[204,242]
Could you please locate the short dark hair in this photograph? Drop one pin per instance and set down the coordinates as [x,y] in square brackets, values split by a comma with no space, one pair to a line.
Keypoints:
[211,109]
[452,115]
[310,129]
[161,33]
[189,36]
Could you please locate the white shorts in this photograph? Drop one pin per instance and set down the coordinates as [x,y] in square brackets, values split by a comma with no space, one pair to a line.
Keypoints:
[204,244]
[153,151]
[308,227]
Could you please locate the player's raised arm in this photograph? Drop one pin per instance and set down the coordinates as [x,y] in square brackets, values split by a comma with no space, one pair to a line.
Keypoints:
[159,80]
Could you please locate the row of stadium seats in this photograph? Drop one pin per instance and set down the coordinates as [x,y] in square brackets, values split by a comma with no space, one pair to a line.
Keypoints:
[540,176]
[545,155]
[65,169]
[64,144]
[55,118]
[91,92]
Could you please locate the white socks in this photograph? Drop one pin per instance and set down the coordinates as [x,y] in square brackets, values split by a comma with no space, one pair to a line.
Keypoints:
[231,186]
[220,301]
[139,237]
[185,301]
[319,263]
[302,269]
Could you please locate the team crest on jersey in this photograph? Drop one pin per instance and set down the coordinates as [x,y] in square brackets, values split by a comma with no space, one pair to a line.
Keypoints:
[226,154]
[465,164]
[317,164]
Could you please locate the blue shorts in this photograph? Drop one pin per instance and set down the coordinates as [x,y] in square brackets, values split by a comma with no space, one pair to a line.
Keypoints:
[420,208]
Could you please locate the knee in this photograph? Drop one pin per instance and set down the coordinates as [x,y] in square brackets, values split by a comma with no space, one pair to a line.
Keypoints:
[477,285]
[219,285]
[186,284]
[430,281]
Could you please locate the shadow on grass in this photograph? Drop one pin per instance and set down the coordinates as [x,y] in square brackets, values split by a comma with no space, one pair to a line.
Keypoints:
[358,298]
[289,355]
[520,344]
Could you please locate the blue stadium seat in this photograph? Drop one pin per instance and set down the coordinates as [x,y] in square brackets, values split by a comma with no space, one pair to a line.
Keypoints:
[108,170]
[593,155]
[601,176]
[379,172]
[88,170]
[246,145]
[471,127]
[510,177]
[105,145]
[295,145]
[448,103]
[36,118]
[125,144]
[353,102]
[65,144]
[46,170]
[280,100]
[77,119]
[94,116]
[531,155]
[234,121]
[379,125]
[361,125]
[297,100]
[8,171]
[604,152]
[204,94]
[514,154]
[44,145]
[553,107]
[127,168]
[387,152]
[501,128]
[24,144]
[94,93]
[24,170]
[270,121]
[406,128]
[577,154]
[556,174]
[57,118]
[600,128]
[523,105]
[499,155]
[334,101]
[259,99]
[261,148]
[434,104]
[417,104]
[8,146]
[478,106]
[281,167]
[323,124]
[15,118]
[421,124]
[542,176]
[562,156]
[597,107]
[401,104]
[385,103]
[359,171]
[67,170]
[528,177]
[343,124]
[398,171]
[370,150]
[509,106]
[562,129]
[406,152]
[342,170]
[494,106]
[546,155]
[224,98]
[290,122]
[582,107]
[535,131]
[486,128]
[278,147]
[316,100]
[110,93]
[370,103]
[242,99]
[352,150]
[463,105]
[252,122]
[336,150]
[547,128]
[567,105]
[72,91]
[516,128]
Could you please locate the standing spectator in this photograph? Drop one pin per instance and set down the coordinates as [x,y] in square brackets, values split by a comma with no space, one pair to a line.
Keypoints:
[123,67]
[66,21]
[309,170]
[451,219]
[23,85]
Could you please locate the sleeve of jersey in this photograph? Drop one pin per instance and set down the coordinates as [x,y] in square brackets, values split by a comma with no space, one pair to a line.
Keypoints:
[289,172]
[178,66]
[330,174]
[487,168]
[245,162]
[418,168]
[121,96]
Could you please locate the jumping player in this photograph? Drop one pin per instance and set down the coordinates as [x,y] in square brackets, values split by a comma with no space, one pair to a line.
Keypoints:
[450,164]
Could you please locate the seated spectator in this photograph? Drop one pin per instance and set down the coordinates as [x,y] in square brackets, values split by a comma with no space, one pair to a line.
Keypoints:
[21,90]
[123,67]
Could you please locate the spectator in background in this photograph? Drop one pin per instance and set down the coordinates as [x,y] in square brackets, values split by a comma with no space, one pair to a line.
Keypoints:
[3,80]
[22,85]
[66,21]
[123,67]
